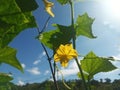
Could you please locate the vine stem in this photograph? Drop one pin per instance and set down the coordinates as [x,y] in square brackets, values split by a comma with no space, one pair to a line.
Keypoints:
[49,60]
[46,23]
[89,84]
[74,42]
[43,29]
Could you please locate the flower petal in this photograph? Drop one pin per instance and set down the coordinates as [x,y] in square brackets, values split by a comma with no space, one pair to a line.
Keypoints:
[47,3]
[65,53]
[64,63]
[73,53]
[48,7]
[56,58]
[60,50]
[49,11]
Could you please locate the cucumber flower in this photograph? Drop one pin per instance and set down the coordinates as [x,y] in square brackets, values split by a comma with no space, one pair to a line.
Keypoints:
[48,7]
[65,53]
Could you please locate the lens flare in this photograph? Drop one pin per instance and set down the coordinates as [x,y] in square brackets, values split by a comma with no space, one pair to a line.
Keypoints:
[112,8]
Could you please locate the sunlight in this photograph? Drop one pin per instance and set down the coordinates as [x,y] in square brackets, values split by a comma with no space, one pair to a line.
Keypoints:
[112,8]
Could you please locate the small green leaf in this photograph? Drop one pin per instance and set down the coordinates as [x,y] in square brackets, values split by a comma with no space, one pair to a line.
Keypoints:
[83,26]
[93,64]
[53,38]
[4,78]
[63,2]
[8,56]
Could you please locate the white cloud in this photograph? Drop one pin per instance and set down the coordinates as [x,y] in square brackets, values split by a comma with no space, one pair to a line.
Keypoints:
[71,70]
[106,23]
[112,75]
[20,83]
[109,25]
[44,53]
[51,79]
[46,72]
[23,65]
[117,57]
[34,71]
[36,62]
[117,60]
[39,57]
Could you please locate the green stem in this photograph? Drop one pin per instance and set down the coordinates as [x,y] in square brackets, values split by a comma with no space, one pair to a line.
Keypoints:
[81,72]
[46,23]
[89,83]
[72,23]
[49,60]
[74,43]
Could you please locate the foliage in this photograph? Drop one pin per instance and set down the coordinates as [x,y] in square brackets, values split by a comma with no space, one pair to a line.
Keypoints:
[5,78]
[64,34]
[15,16]
[92,64]
[8,56]
[74,84]
[83,26]
[63,2]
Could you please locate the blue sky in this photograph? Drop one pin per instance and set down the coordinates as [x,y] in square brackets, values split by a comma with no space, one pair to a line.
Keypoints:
[32,56]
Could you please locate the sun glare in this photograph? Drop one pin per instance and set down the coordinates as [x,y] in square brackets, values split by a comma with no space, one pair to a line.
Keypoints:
[112,8]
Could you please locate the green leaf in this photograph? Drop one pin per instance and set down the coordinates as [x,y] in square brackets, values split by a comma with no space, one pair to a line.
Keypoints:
[13,19]
[83,26]
[108,58]
[86,75]
[8,56]
[4,78]
[27,5]
[53,38]
[63,2]
[93,64]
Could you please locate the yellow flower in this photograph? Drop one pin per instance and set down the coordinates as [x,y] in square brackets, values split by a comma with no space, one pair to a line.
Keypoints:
[48,6]
[65,53]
